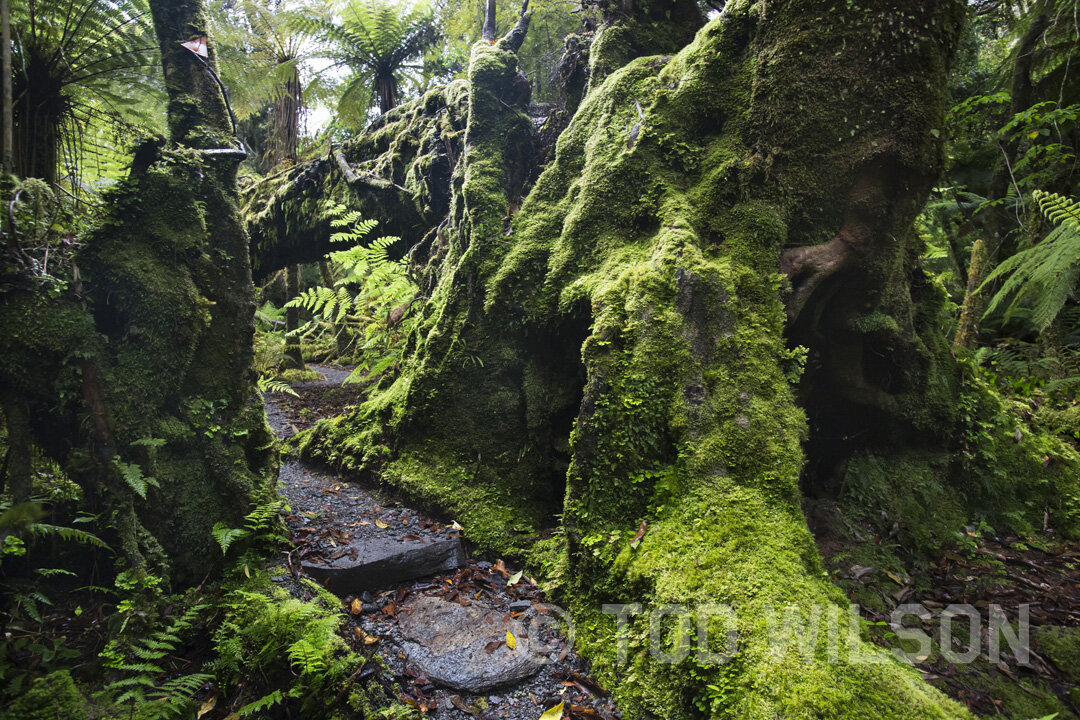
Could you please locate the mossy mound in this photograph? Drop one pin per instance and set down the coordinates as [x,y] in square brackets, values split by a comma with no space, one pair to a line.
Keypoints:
[701,211]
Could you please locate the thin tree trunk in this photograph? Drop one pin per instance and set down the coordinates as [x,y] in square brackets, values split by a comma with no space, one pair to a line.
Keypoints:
[386,88]
[341,337]
[287,107]
[19,439]
[294,357]
[5,70]
[989,248]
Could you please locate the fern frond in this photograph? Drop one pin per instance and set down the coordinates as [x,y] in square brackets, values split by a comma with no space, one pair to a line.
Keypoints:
[1046,275]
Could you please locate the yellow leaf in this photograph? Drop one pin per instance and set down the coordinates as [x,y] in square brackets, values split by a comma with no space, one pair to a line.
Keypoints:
[363,637]
[382,524]
[247,573]
[207,706]
[357,607]
[511,641]
[554,713]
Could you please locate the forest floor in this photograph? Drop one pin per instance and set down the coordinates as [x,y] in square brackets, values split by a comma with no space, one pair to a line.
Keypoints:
[979,570]
[329,514]
[460,616]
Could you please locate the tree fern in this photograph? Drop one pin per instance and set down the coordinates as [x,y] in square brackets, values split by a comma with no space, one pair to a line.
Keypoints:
[1045,275]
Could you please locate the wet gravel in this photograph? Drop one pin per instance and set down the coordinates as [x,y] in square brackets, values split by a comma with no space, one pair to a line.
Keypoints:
[288,414]
[328,512]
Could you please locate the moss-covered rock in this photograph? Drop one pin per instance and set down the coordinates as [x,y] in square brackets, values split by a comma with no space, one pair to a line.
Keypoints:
[51,697]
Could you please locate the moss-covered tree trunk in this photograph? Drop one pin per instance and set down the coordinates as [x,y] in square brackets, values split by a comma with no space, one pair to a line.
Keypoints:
[615,346]
[139,378]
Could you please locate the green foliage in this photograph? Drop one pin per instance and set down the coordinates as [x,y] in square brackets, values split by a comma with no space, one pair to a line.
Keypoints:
[283,647]
[262,525]
[139,667]
[269,384]
[48,698]
[87,76]
[380,43]
[1046,275]
[374,297]
[133,475]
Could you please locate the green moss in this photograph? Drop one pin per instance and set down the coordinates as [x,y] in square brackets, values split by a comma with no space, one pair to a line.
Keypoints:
[637,298]
[293,376]
[49,698]
[1060,645]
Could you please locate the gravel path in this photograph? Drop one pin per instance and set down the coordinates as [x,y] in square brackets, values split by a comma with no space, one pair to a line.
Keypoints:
[328,513]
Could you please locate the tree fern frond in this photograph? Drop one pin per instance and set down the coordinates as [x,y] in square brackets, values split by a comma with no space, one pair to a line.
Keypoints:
[1046,275]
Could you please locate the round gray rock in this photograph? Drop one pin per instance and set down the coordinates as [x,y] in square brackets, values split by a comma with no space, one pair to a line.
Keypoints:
[448,643]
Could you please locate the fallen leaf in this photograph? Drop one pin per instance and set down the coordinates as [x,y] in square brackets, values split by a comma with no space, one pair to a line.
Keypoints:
[515,578]
[461,705]
[363,637]
[207,706]
[511,641]
[382,524]
[455,526]
[247,573]
[554,713]
[356,607]
[492,646]
[640,534]
[390,610]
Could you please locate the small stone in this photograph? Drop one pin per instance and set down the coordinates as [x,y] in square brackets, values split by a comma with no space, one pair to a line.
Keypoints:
[370,607]
[521,605]
[365,597]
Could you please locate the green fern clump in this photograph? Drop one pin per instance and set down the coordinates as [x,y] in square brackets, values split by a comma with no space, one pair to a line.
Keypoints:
[142,678]
[263,524]
[374,298]
[285,649]
[1044,276]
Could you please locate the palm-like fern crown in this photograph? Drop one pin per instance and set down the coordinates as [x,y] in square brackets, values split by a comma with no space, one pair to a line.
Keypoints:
[379,42]
[76,62]
[261,50]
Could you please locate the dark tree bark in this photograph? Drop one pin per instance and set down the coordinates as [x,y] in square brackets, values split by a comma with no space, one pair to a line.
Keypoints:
[992,245]
[6,139]
[294,357]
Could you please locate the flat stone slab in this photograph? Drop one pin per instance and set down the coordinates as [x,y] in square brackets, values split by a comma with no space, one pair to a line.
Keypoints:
[448,643]
[372,563]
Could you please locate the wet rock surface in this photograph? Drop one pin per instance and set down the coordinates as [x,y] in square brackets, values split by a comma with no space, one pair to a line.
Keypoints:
[467,648]
[441,638]
[373,563]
